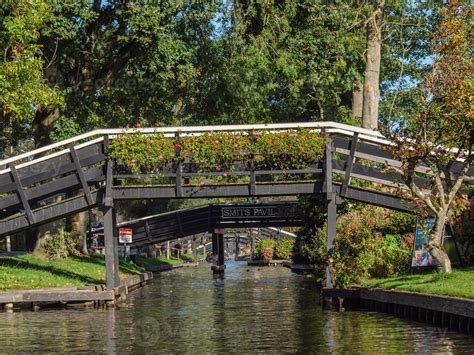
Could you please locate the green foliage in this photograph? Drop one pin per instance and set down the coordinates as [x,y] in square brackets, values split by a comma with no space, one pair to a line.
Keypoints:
[292,60]
[261,247]
[59,245]
[361,250]
[310,246]
[215,150]
[288,149]
[284,249]
[370,242]
[23,88]
[138,151]
[219,151]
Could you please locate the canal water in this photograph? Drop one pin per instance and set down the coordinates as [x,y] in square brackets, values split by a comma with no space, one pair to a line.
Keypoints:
[267,309]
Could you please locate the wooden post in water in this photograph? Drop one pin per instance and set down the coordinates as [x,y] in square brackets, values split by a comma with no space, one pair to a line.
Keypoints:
[237,245]
[193,247]
[252,246]
[218,266]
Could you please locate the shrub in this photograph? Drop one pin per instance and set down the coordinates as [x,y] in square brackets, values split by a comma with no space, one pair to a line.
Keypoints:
[283,249]
[362,251]
[59,245]
[261,247]
[370,242]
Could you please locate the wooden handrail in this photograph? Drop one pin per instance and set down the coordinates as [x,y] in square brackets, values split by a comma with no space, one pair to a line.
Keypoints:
[97,136]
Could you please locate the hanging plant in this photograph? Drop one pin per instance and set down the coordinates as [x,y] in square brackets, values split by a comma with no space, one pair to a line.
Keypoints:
[138,152]
[293,149]
[219,151]
[215,151]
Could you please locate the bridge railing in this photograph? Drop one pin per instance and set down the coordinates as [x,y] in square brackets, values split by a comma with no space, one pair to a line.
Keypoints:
[76,168]
[60,148]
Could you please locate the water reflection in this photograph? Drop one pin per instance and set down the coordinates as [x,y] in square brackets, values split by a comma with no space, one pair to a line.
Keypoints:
[251,310]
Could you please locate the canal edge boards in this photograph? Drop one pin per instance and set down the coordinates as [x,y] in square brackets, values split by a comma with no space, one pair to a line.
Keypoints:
[455,313]
[80,296]
[161,268]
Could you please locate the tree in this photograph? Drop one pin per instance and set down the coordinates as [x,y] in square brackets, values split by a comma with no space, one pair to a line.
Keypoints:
[439,135]
[23,88]
[373,58]
[75,67]
[291,61]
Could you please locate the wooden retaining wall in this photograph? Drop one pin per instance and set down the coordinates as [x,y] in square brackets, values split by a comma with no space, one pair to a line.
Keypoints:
[161,268]
[454,313]
[265,262]
[92,296]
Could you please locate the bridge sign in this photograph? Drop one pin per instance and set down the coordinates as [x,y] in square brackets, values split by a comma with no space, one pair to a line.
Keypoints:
[125,235]
[258,212]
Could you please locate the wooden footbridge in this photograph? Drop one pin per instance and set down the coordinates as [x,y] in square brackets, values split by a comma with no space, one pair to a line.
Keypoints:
[75,175]
[202,219]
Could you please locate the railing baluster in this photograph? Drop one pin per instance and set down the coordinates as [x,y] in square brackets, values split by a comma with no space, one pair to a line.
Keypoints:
[350,163]
[80,174]
[22,195]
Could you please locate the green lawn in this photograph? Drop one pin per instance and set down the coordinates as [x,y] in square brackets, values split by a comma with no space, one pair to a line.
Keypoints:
[192,257]
[158,261]
[460,283]
[162,260]
[33,271]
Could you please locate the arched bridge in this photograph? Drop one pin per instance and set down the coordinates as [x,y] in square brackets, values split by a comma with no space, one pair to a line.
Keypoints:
[79,167]
[195,220]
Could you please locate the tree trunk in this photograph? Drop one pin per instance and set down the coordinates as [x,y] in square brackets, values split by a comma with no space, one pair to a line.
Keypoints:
[42,232]
[372,67]
[357,100]
[77,226]
[435,245]
[42,125]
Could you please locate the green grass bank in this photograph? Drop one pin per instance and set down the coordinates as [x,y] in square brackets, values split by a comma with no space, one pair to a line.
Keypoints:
[459,283]
[31,271]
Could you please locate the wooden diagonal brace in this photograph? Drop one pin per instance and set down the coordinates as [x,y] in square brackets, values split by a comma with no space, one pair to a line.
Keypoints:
[80,174]
[350,163]
[22,195]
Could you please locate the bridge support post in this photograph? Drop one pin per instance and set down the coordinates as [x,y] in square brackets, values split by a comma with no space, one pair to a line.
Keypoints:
[237,246]
[252,246]
[111,247]
[331,201]
[218,266]
[331,234]
[8,244]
